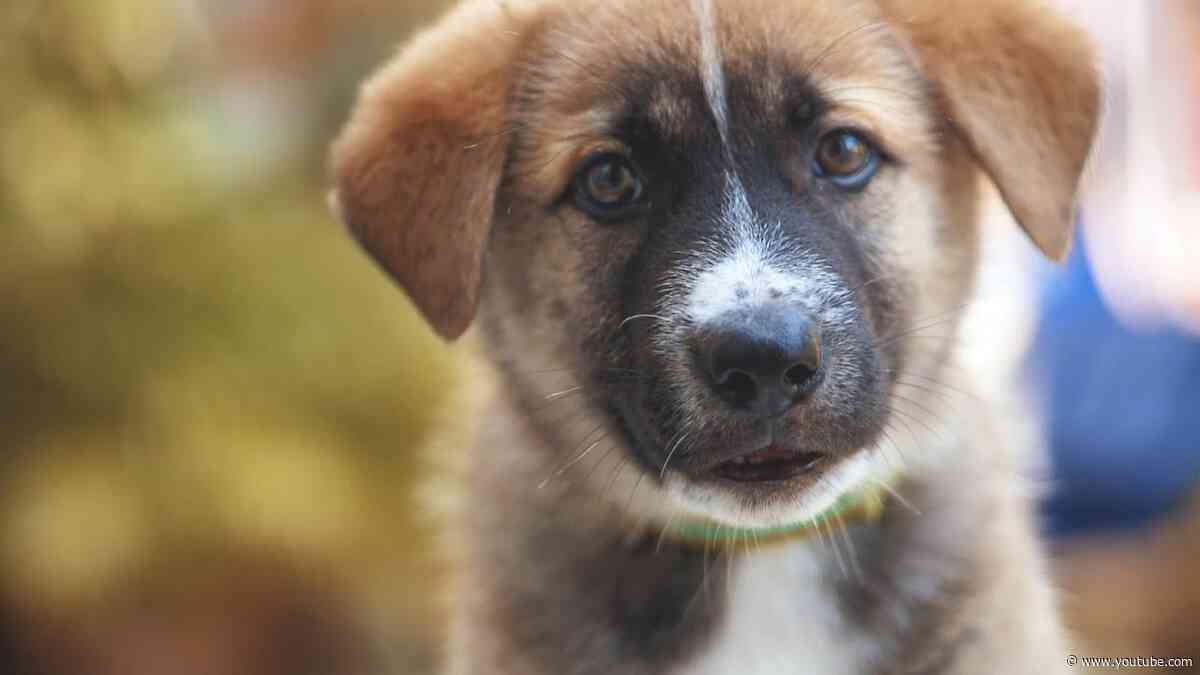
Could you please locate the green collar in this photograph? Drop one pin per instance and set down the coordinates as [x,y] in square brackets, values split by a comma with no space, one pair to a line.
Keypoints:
[863,506]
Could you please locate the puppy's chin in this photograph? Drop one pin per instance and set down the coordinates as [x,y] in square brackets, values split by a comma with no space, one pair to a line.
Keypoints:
[775,503]
[759,473]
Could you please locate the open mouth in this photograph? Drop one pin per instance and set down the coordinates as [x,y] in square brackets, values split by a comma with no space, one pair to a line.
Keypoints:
[773,463]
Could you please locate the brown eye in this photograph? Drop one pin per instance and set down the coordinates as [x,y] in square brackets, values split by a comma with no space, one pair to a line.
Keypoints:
[607,186]
[846,158]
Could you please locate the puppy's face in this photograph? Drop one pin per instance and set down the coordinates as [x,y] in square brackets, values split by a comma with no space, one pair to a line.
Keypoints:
[723,225]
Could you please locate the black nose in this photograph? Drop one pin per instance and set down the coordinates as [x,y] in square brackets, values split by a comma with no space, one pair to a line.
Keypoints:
[762,361]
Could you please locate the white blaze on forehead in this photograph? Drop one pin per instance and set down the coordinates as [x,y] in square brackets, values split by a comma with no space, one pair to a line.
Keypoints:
[712,73]
[744,277]
[737,214]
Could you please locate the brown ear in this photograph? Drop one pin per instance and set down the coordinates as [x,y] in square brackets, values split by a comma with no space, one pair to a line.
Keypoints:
[1022,86]
[417,168]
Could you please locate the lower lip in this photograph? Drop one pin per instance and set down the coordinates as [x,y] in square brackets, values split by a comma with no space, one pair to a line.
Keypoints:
[770,464]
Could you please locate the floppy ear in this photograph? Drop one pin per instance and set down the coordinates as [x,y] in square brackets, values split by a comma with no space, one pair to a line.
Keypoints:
[1022,87]
[417,168]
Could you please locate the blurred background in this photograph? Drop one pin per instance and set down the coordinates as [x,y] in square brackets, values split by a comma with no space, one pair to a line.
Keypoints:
[212,406]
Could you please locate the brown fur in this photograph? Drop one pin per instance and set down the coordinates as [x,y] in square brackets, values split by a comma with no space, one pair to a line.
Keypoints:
[1021,86]
[393,161]
[452,174]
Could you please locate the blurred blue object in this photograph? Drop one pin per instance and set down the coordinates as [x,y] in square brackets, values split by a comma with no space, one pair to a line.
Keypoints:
[1122,410]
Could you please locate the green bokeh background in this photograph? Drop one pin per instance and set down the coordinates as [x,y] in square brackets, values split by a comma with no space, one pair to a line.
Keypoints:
[199,372]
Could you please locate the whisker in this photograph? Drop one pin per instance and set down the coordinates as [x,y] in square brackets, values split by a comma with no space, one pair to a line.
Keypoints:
[702,588]
[545,407]
[480,140]
[942,317]
[566,392]
[852,552]
[898,497]
[882,277]
[642,316]
[895,446]
[936,417]
[629,503]
[662,534]
[912,333]
[825,53]
[949,401]
[912,434]
[607,84]
[566,141]
[757,542]
[612,478]
[729,571]
[567,419]
[559,471]
[837,551]
[918,420]
[939,383]
[675,446]
[607,453]
[578,458]
[821,535]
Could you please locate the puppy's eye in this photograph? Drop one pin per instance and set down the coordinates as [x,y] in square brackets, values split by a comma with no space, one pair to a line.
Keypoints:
[608,186]
[847,159]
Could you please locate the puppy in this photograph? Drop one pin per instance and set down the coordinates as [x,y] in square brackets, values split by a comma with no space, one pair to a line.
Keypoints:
[706,242]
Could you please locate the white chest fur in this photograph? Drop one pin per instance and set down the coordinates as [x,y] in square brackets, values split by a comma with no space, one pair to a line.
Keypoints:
[783,618]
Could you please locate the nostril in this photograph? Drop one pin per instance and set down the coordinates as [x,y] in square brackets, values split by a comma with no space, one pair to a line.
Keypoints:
[738,387]
[799,376]
[805,364]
